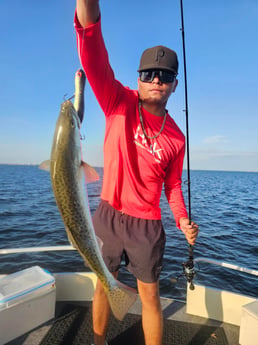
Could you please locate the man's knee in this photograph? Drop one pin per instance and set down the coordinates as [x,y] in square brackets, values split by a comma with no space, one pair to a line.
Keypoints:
[149,294]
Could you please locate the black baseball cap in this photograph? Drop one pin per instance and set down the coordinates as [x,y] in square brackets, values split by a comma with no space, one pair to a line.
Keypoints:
[159,57]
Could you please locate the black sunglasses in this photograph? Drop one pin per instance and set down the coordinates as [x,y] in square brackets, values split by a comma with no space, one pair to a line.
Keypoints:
[164,76]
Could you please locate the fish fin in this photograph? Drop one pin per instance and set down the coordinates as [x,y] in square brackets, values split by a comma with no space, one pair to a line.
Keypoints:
[100,245]
[70,238]
[90,173]
[45,165]
[121,298]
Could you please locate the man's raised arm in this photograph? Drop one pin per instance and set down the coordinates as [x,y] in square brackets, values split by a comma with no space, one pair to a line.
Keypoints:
[87,11]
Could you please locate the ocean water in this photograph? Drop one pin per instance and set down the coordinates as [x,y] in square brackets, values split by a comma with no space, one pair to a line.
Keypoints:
[224,204]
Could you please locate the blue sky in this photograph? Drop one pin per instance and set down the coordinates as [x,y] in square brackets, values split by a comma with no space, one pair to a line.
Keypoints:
[39,58]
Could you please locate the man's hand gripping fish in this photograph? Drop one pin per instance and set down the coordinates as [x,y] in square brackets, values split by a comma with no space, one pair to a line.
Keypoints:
[68,174]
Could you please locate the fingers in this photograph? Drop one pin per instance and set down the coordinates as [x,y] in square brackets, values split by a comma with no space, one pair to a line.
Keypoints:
[190,230]
[191,233]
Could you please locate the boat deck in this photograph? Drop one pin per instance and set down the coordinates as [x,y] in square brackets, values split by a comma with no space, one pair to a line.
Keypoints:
[72,326]
[191,323]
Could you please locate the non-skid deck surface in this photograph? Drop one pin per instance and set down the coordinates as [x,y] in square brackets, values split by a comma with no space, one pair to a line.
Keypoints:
[74,327]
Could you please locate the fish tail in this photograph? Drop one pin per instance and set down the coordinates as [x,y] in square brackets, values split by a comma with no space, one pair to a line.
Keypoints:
[121,298]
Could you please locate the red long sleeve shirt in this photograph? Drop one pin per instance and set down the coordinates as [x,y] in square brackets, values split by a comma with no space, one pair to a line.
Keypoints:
[135,168]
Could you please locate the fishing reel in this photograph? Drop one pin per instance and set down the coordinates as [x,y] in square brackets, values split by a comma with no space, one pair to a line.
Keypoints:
[188,270]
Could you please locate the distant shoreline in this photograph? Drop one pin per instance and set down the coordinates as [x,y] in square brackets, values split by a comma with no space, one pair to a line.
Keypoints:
[229,171]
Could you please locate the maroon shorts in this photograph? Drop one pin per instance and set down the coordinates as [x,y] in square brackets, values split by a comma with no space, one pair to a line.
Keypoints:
[142,241]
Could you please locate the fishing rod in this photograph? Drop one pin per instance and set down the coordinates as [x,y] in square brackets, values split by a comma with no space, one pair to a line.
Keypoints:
[188,267]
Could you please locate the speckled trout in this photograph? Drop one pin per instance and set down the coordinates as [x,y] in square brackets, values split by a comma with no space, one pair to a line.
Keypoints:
[68,174]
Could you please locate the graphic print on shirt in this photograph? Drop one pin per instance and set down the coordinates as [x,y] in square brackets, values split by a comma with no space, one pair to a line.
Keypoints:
[140,140]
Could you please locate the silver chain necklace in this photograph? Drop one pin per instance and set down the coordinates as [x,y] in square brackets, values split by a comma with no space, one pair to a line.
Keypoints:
[143,129]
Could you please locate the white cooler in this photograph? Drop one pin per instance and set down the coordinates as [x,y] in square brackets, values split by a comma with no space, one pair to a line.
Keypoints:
[27,300]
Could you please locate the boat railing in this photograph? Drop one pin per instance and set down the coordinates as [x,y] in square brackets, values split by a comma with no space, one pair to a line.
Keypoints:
[35,249]
[227,265]
[69,247]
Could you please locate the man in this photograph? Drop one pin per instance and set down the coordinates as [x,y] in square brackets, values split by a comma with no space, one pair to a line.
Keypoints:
[143,148]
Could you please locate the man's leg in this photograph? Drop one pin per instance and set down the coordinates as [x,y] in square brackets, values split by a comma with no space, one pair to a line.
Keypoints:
[152,317]
[100,313]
